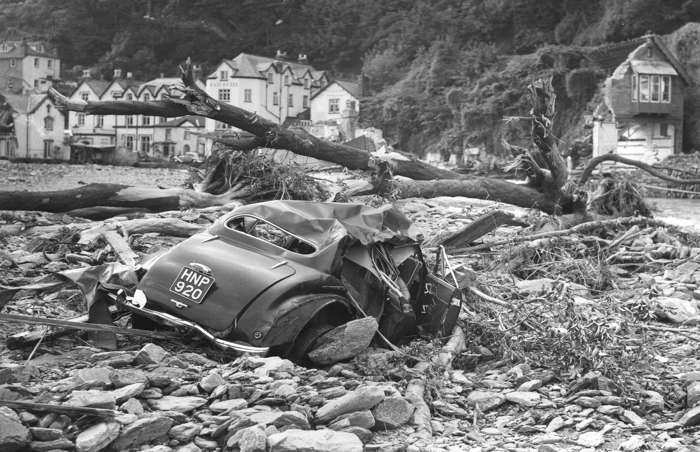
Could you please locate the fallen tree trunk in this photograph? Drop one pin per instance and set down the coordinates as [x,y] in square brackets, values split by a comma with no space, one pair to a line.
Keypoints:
[111,195]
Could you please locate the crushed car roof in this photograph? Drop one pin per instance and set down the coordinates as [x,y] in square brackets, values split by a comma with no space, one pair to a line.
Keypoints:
[324,223]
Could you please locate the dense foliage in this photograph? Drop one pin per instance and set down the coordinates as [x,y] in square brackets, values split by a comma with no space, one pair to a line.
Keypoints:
[444,72]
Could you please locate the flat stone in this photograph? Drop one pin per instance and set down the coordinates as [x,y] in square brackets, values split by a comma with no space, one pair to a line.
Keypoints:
[590,439]
[693,394]
[93,377]
[363,398]
[45,434]
[391,413]
[344,342]
[150,354]
[127,392]
[486,400]
[677,310]
[92,398]
[652,401]
[13,435]
[132,406]
[126,377]
[281,419]
[185,432]
[362,433]
[555,424]
[633,443]
[271,364]
[97,437]
[532,385]
[610,410]
[691,417]
[228,405]
[179,404]
[363,419]
[142,431]
[524,398]
[588,402]
[56,444]
[253,439]
[314,441]
[210,382]
[632,418]
[535,286]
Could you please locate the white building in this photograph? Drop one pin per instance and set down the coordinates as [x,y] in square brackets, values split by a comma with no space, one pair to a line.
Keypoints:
[331,101]
[38,129]
[27,66]
[274,88]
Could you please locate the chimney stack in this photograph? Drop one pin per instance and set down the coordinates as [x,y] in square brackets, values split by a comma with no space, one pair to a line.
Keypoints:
[86,73]
[129,75]
[117,73]
[303,59]
[281,55]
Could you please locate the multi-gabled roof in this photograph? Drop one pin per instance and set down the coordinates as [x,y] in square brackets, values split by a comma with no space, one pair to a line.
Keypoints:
[246,65]
[352,88]
[25,103]
[21,49]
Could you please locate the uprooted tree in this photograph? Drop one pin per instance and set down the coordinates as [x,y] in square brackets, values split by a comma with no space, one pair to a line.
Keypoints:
[546,187]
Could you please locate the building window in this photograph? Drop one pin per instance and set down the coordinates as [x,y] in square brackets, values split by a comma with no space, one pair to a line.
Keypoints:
[84,96]
[306,83]
[286,80]
[48,123]
[162,120]
[13,62]
[145,143]
[643,88]
[36,83]
[663,131]
[48,148]
[186,135]
[666,88]
[116,94]
[333,105]
[130,120]
[290,100]
[168,134]
[635,88]
[223,76]
[36,62]
[129,96]
[270,79]
[48,108]
[48,63]
[305,101]
[248,95]
[99,121]
[275,98]
[655,88]
[129,142]
[146,120]
[222,125]
[81,119]
[225,94]
[146,97]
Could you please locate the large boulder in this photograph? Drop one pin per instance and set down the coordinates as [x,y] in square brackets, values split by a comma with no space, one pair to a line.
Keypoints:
[314,441]
[344,342]
[97,437]
[13,435]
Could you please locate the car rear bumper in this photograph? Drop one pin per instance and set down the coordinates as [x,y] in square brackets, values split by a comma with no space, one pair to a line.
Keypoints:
[137,304]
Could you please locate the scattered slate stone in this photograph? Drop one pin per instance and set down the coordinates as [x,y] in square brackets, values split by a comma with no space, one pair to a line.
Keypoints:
[253,439]
[590,439]
[13,435]
[362,419]
[45,434]
[93,377]
[185,432]
[524,398]
[142,431]
[127,392]
[652,401]
[344,342]
[363,398]
[693,394]
[532,385]
[132,406]
[126,377]
[151,393]
[281,419]
[179,404]
[633,443]
[210,382]
[364,434]
[691,417]
[151,354]
[555,424]
[97,437]
[270,364]
[588,402]
[633,418]
[677,310]
[314,441]
[486,400]
[56,444]
[391,413]
[228,405]
[189,447]
[91,398]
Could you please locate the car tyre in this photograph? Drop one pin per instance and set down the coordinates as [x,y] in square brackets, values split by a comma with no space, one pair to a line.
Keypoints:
[322,323]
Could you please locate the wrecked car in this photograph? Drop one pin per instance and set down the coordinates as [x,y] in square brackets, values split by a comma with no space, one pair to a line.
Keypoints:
[273,277]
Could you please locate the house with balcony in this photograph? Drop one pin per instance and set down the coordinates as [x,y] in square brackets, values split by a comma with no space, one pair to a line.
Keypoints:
[335,109]
[642,118]
[276,89]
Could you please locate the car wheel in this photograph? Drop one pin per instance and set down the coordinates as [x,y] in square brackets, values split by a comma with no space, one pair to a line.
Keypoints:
[322,323]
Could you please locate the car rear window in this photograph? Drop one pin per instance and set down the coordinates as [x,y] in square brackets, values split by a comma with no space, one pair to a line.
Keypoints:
[270,233]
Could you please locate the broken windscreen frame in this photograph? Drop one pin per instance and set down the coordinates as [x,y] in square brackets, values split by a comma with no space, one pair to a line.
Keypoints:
[268,232]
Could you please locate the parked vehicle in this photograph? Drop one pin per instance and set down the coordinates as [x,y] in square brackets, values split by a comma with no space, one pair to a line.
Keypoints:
[272,277]
[188,157]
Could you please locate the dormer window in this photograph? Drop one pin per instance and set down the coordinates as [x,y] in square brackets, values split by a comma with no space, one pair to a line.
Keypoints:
[270,79]
[36,62]
[651,88]
[84,96]
[286,80]
[129,96]
[223,76]
[306,83]
[146,97]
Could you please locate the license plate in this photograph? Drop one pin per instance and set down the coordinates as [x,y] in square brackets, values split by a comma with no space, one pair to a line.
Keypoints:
[192,285]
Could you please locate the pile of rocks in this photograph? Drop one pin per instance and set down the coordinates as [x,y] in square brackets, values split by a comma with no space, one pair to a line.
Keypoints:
[186,402]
